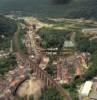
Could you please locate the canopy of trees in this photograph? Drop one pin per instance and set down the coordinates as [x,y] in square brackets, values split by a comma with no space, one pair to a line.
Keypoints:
[86,45]
[51,94]
[52,38]
[7,25]
[7,64]
[7,29]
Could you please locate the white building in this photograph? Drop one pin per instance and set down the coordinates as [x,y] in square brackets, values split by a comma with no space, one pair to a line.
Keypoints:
[86,89]
[68,44]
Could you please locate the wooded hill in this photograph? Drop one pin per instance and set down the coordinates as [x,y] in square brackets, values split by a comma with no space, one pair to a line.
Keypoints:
[52,8]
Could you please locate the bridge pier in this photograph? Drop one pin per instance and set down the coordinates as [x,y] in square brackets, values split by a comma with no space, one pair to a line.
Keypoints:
[42,76]
[47,82]
[37,73]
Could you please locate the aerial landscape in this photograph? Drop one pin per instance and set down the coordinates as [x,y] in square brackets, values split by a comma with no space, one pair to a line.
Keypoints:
[48,50]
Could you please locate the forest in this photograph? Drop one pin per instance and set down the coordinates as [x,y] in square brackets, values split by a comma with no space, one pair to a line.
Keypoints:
[7,29]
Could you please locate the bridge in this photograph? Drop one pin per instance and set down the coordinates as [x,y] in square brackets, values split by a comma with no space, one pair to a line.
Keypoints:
[24,60]
[41,74]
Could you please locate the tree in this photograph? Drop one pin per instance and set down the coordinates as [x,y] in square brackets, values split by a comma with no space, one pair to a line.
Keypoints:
[7,64]
[7,30]
[52,38]
[92,71]
[61,1]
[51,69]
[51,94]
[83,44]
[93,46]
[72,89]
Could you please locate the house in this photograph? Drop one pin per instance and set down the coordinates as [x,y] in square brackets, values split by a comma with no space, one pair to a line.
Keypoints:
[90,31]
[44,62]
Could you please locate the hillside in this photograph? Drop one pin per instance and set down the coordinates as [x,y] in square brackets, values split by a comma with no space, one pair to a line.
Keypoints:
[7,28]
[74,8]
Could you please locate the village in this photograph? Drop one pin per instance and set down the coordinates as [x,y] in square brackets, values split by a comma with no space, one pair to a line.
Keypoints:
[67,68]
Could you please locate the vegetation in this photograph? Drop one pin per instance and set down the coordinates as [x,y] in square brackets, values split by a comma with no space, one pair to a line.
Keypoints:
[86,45]
[7,64]
[21,37]
[51,70]
[22,98]
[83,44]
[71,88]
[7,29]
[92,71]
[51,94]
[55,35]
[52,38]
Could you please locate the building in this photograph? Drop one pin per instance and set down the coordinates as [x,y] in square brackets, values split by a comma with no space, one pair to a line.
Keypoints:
[68,44]
[90,31]
[44,62]
[62,71]
[86,89]
[59,73]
